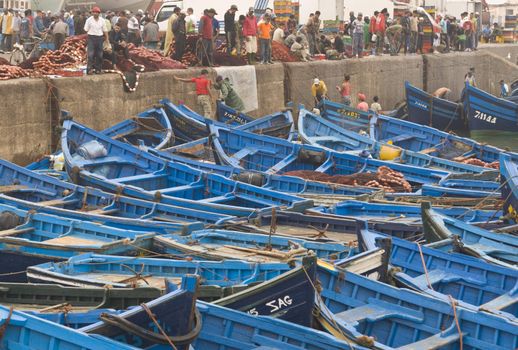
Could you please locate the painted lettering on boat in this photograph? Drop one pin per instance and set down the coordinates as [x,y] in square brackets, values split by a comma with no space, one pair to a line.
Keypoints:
[485,117]
[274,305]
[349,114]
[420,105]
[235,118]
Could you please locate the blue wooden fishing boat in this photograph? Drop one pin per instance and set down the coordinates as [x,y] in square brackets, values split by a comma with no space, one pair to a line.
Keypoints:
[487,112]
[94,159]
[28,190]
[319,224]
[404,213]
[509,179]
[244,150]
[426,109]
[410,136]
[289,297]
[51,297]
[317,131]
[230,116]
[151,128]
[94,270]
[498,248]
[37,238]
[24,331]
[473,282]
[226,329]
[282,183]
[380,316]
[175,313]
[223,244]
[189,125]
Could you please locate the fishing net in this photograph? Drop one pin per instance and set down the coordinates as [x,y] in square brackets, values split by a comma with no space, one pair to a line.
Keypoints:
[384,178]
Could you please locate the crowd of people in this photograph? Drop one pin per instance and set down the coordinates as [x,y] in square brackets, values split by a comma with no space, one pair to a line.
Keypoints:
[248,36]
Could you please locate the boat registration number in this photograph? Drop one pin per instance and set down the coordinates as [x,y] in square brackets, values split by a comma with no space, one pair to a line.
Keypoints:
[485,117]
[274,305]
[234,117]
[349,114]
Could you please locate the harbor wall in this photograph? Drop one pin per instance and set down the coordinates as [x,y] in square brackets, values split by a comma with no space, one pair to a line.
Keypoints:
[382,76]
[29,128]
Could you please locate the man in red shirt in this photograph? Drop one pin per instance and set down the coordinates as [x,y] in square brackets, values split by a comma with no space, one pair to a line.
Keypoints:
[380,30]
[203,92]
[206,32]
[372,31]
[250,34]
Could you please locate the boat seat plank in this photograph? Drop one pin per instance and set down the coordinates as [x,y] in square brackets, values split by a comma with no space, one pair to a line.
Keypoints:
[72,240]
[501,302]
[181,188]
[437,276]
[218,199]
[436,341]
[428,150]
[57,202]
[11,188]
[103,161]
[378,310]
[331,139]
[102,211]
[15,231]
[400,138]
[247,151]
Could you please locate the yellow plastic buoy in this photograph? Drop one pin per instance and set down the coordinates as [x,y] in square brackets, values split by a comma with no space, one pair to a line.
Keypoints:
[388,152]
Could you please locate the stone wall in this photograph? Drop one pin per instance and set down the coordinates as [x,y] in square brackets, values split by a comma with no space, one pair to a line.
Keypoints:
[24,122]
[383,76]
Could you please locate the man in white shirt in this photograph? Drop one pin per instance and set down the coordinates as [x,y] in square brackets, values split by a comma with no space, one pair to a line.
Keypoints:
[278,34]
[134,29]
[95,27]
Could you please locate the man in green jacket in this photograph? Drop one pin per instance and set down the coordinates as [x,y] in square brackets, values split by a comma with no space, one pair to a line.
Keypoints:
[228,94]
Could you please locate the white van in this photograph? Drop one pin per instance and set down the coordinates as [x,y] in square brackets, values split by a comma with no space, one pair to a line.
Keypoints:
[221,6]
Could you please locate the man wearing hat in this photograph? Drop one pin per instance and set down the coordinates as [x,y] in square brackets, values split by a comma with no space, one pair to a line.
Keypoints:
[230,28]
[96,29]
[318,90]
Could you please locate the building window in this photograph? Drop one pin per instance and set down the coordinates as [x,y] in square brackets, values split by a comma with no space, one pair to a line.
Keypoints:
[509,12]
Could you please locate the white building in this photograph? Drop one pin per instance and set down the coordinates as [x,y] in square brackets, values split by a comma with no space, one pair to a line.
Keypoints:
[15,4]
[498,12]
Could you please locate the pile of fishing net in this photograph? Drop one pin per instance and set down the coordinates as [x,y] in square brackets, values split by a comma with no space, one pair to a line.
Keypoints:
[384,178]
[478,162]
[282,53]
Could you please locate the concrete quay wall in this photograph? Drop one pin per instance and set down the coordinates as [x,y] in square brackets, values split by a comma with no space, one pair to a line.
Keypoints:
[29,128]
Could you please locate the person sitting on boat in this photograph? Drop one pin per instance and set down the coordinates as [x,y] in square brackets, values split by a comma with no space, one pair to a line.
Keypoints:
[228,94]
[442,92]
[318,90]
[504,89]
